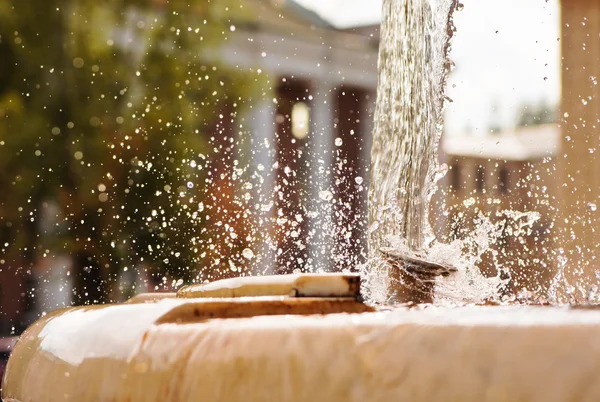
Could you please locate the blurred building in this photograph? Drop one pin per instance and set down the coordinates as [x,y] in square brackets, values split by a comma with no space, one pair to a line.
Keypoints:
[578,169]
[310,128]
[310,131]
[505,171]
[313,126]
[549,169]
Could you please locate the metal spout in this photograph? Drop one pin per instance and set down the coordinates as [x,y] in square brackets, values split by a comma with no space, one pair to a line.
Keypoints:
[412,278]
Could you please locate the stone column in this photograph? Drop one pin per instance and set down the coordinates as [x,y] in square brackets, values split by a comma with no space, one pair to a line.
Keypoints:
[263,151]
[321,165]
[366,129]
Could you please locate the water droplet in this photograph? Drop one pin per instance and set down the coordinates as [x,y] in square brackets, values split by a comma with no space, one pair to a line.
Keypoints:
[442,171]
[469,202]
[592,293]
[325,195]
[374,226]
[592,207]
[190,184]
[358,180]
[248,254]
[78,62]
[338,142]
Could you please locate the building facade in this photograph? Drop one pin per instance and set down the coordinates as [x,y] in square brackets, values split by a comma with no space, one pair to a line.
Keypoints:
[505,179]
[312,126]
[579,166]
[305,134]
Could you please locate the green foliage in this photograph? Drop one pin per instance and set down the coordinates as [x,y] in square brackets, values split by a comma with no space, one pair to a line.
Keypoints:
[532,115]
[102,105]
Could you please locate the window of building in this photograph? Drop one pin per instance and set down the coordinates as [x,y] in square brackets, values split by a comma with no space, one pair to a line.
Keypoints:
[503,180]
[480,178]
[455,176]
[300,120]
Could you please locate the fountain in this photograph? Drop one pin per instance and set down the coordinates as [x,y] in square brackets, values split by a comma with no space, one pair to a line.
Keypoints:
[303,338]
[311,337]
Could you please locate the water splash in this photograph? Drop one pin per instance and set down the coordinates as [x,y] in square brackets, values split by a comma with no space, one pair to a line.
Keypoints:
[469,284]
[413,66]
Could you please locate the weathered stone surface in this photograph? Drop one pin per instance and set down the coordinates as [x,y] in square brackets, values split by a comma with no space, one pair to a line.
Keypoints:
[137,352]
[296,285]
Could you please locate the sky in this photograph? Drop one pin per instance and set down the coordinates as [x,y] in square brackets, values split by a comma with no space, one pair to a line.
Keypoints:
[507,54]
[344,13]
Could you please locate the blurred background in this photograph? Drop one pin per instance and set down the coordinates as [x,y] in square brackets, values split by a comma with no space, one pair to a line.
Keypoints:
[147,144]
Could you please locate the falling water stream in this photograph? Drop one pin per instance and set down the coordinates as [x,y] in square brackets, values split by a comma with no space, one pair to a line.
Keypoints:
[413,66]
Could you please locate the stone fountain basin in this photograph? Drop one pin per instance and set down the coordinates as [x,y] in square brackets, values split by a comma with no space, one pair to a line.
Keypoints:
[163,351]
